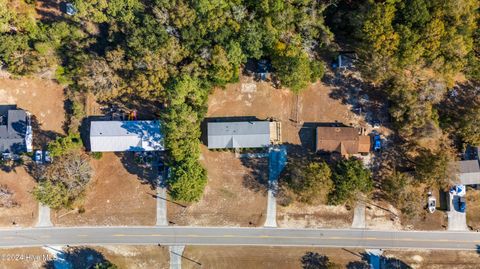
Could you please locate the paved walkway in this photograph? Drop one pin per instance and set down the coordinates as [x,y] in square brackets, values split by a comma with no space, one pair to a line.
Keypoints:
[359,216]
[161,200]
[43,216]
[276,163]
[176,253]
[457,221]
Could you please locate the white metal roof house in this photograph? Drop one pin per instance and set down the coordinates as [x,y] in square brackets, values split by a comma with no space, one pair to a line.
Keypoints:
[245,134]
[119,136]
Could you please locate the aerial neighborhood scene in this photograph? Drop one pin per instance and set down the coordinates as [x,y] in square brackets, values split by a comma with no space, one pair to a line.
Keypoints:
[239,134]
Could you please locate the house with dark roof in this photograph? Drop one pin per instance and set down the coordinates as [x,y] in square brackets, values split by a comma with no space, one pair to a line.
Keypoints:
[15,130]
[120,136]
[343,140]
[244,134]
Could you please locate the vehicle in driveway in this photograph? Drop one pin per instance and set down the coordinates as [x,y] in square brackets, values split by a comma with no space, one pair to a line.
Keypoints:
[38,157]
[377,143]
[462,204]
[46,157]
[431,203]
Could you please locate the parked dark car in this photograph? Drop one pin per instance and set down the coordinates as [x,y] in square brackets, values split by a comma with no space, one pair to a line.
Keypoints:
[377,143]
[462,204]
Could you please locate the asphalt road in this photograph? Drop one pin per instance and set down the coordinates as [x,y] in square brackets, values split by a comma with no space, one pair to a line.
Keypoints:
[238,236]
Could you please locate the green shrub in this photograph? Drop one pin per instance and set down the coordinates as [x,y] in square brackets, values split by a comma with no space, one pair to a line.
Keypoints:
[64,145]
[96,155]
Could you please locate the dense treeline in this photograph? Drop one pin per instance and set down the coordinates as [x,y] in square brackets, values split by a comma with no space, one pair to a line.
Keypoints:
[414,51]
[175,51]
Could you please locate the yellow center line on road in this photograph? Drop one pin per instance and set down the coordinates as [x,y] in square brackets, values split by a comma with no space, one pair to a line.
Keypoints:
[82,235]
[300,237]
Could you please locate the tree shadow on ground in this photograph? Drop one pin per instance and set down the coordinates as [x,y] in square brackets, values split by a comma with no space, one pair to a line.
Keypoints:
[257,178]
[365,100]
[41,137]
[78,257]
[146,175]
[313,260]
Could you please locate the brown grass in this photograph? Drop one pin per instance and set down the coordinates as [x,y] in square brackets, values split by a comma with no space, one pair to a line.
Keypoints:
[21,184]
[114,197]
[226,201]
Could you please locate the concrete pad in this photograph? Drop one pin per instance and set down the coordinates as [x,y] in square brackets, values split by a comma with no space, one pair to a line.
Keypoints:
[359,216]
[176,253]
[44,216]
[276,163]
[161,201]
[457,221]
[271,220]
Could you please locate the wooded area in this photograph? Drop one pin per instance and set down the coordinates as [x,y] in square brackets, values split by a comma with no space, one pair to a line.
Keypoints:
[174,51]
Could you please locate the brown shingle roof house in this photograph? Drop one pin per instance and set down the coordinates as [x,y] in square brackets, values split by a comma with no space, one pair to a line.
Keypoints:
[344,140]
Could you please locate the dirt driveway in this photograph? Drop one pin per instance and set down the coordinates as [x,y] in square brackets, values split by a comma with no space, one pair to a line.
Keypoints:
[228,200]
[21,184]
[116,196]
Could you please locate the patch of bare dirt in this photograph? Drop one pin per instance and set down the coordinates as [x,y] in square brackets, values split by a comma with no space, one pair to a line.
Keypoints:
[299,215]
[23,258]
[140,257]
[115,196]
[44,99]
[298,115]
[227,200]
[382,216]
[21,184]
[262,257]
[473,208]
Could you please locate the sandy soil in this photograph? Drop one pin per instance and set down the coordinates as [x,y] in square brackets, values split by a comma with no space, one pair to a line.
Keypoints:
[20,183]
[437,259]
[473,208]
[116,196]
[43,98]
[260,100]
[383,216]
[299,215]
[138,257]
[282,257]
[260,257]
[315,104]
[227,201]
[23,258]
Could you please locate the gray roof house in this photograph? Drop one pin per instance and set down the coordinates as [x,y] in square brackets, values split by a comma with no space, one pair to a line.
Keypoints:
[468,172]
[119,136]
[245,134]
[15,130]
